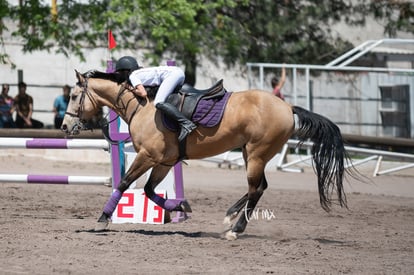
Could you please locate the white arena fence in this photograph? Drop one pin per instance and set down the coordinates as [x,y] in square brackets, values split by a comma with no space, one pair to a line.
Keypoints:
[400,161]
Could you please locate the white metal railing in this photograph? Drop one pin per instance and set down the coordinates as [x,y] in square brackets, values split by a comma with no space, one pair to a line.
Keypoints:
[402,161]
[347,58]
[371,154]
[367,46]
[307,69]
[339,64]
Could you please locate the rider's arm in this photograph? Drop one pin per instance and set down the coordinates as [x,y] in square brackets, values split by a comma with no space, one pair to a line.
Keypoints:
[282,79]
[139,89]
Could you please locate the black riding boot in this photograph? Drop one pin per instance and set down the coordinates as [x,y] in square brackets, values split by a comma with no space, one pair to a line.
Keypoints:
[187,126]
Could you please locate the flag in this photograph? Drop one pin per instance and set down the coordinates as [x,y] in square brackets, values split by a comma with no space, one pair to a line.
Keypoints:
[111,40]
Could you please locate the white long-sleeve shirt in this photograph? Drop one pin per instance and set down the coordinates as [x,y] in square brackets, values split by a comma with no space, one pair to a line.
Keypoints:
[166,77]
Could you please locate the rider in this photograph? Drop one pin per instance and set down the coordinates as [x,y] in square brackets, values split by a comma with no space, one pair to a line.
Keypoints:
[167,78]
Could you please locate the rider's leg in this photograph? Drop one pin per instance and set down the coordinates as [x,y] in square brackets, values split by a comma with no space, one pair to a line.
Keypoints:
[175,78]
[187,126]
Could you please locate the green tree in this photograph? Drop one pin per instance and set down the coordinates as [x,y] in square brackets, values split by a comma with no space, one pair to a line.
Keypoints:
[77,26]
[233,31]
[4,13]
[398,15]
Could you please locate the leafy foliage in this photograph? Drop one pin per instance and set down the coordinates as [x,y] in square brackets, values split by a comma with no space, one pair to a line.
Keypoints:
[233,31]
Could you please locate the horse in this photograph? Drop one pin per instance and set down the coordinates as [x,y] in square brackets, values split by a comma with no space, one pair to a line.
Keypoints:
[253,120]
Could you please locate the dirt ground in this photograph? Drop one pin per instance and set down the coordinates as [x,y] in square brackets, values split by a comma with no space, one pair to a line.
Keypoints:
[48,229]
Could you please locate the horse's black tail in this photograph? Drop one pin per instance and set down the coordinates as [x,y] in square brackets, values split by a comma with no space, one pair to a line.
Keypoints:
[328,153]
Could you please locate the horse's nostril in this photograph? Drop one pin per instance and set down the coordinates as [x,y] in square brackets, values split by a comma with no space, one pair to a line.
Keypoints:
[64,127]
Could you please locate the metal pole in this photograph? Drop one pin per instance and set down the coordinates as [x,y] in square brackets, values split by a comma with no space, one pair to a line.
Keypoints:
[249,76]
[361,53]
[295,86]
[261,77]
[308,95]
[349,53]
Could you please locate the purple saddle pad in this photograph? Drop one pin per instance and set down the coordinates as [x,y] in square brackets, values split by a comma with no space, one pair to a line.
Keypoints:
[208,113]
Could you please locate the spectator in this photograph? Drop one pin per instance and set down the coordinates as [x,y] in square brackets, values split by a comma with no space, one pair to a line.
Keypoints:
[60,105]
[6,108]
[24,109]
[277,84]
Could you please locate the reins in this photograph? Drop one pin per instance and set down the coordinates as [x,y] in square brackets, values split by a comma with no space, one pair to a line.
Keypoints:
[119,104]
[105,126]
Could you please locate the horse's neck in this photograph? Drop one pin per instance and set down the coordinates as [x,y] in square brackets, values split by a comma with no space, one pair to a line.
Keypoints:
[122,102]
[126,105]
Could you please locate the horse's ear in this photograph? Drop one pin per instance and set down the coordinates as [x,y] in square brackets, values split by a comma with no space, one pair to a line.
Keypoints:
[79,76]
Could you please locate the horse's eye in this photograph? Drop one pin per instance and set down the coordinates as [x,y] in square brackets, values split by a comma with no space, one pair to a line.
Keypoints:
[73,97]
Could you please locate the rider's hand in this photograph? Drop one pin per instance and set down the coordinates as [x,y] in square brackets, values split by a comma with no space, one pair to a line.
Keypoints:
[129,87]
[140,91]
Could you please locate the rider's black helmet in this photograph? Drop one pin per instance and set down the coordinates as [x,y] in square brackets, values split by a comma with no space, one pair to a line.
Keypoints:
[127,63]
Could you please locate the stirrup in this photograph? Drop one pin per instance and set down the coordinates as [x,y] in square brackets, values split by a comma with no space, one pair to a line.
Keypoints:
[184,132]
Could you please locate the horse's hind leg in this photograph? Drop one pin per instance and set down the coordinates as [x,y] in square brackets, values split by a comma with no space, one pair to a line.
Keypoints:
[234,210]
[257,184]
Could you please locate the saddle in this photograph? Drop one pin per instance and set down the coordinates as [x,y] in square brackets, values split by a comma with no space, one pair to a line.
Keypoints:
[187,98]
[203,107]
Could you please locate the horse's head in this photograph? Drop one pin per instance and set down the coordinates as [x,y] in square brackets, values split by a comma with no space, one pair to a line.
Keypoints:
[82,107]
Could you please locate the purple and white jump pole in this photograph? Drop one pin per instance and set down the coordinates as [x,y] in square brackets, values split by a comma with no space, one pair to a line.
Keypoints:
[54,179]
[50,143]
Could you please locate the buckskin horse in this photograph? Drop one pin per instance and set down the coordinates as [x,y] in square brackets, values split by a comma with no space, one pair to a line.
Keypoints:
[255,121]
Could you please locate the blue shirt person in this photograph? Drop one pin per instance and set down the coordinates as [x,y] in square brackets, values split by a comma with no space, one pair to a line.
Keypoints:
[60,105]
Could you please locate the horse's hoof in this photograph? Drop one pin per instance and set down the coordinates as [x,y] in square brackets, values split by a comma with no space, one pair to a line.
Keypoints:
[185,206]
[230,235]
[101,226]
[102,223]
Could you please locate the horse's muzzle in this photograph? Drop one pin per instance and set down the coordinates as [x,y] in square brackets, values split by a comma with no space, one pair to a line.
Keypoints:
[75,130]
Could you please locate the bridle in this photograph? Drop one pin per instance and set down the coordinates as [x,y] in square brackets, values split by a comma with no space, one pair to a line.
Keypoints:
[84,91]
[80,124]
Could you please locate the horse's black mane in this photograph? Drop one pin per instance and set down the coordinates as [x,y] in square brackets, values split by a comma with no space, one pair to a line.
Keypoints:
[115,77]
[118,78]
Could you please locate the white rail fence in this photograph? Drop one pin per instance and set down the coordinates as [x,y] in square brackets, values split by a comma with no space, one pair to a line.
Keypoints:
[400,161]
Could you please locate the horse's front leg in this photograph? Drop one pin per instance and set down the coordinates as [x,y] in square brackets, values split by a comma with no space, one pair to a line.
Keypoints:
[140,165]
[158,173]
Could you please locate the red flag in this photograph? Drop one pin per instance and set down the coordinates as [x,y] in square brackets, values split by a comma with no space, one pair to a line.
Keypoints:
[111,40]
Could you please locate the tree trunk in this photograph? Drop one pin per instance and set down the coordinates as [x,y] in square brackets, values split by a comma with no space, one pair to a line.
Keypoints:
[190,62]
